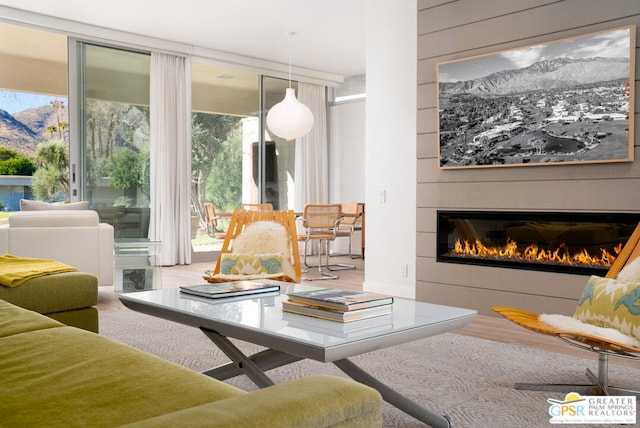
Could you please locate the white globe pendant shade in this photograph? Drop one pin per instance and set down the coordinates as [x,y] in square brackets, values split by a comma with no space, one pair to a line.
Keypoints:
[290,119]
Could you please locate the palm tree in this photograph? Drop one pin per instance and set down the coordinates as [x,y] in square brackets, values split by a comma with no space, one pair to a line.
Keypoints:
[57,106]
[51,129]
[63,126]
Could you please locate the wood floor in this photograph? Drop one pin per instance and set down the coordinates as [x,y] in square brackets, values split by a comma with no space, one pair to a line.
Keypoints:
[485,327]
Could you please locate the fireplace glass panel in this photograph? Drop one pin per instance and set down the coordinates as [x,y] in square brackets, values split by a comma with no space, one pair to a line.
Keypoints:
[580,243]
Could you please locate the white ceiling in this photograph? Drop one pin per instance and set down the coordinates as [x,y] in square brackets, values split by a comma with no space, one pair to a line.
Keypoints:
[330,34]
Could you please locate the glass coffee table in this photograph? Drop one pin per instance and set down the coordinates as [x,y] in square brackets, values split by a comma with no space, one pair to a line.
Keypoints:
[259,319]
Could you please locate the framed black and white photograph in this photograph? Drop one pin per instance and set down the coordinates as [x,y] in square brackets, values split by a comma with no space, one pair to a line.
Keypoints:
[567,101]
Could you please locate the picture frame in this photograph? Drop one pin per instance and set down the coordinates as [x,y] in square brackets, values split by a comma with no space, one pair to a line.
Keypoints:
[568,101]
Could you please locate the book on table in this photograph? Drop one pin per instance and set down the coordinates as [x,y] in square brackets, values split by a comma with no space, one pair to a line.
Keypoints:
[229,289]
[340,329]
[340,299]
[335,314]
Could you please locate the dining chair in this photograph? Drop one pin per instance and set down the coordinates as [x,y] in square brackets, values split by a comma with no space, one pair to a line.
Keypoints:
[353,221]
[321,223]
[211,219]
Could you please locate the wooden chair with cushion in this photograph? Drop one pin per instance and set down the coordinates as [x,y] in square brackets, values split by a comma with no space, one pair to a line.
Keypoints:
[267,228]
[604,301]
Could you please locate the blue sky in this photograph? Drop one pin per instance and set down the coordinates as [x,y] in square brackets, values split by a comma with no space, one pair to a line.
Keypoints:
[15,102]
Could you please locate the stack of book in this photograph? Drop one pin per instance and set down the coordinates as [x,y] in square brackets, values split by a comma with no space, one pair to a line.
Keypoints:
[338,305]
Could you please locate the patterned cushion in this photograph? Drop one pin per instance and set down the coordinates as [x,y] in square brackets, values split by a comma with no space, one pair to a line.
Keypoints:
[611,303]
[251,264]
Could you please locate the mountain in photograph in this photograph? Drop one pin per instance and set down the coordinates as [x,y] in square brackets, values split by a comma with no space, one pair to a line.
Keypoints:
[23,131]
[557,73]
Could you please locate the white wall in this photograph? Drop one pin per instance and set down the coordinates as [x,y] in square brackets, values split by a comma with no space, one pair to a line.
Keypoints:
[346,152]
[390,158]
[347,145]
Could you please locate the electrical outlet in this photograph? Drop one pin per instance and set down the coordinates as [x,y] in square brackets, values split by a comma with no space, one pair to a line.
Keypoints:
[404,270]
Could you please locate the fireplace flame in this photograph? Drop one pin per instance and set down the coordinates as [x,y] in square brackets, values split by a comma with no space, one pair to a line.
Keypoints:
[533,253]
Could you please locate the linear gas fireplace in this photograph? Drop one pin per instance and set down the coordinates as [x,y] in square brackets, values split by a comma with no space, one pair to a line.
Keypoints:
[579,243]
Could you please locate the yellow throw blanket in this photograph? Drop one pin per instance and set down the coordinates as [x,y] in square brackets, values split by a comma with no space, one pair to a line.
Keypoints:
[16,270]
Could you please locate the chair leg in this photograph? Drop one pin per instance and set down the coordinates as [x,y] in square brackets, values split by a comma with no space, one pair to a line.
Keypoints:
[323,274]
[599,385]
[353,256]
[306,267]
[350,254]
[339,266]
[559,387]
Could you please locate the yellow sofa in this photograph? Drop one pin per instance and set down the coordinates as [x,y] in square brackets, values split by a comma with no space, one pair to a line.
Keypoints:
[68,297]
[58,376]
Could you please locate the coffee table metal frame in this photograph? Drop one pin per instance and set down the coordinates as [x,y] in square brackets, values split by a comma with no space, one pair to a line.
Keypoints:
[290,337]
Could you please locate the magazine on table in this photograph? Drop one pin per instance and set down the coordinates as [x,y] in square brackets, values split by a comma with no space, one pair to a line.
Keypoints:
[333,314]
[229,289]
[340,299]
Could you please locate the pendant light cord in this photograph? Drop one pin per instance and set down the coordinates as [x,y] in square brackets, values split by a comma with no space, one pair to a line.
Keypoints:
[291,34]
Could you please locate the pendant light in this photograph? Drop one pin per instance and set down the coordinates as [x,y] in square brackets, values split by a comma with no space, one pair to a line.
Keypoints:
[290,119]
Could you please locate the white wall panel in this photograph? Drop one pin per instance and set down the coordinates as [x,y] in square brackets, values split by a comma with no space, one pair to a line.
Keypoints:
[391,147]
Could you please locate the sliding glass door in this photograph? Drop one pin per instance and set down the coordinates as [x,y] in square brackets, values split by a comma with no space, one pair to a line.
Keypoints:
[235,159]
[224,121]
[113,136]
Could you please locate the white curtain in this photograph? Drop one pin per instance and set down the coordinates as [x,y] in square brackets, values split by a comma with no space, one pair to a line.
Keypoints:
[170,136]
[312,169]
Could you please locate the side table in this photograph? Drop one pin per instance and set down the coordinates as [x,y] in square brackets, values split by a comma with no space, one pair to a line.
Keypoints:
[137,265]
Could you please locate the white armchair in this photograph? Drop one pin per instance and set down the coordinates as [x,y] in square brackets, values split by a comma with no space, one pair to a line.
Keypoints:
[75,237]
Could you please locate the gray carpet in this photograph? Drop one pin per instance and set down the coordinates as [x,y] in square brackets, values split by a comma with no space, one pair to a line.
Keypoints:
[468,379]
